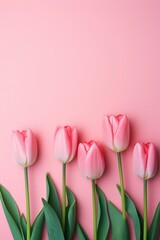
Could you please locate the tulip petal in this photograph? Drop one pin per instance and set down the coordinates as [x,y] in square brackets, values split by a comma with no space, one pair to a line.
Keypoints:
[74,142]
[107,132]
[62,145]
[139,160]
[94,162]
[114,121]
[122,134]
[151,167]
[81,158]
[31,147]
[18,148]
[87,145]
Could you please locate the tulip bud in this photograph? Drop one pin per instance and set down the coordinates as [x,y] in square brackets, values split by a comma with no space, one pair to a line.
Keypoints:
[91,160]
[65,143]
[24,147]
[116,132]
[144,160]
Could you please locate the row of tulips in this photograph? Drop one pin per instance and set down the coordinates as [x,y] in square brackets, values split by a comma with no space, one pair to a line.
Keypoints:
[61,220]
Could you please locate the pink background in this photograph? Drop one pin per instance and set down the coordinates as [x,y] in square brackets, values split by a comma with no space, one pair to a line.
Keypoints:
[70,62]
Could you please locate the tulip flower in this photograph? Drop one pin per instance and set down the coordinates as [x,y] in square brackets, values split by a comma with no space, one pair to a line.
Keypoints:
[24,152]
[144,160]
[65,143]
[91,160]
[145,166]
[24,147]
[116,133]
[92,165]
[65,147]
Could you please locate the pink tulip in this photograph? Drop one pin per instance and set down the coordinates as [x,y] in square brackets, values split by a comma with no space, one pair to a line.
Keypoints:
[24,147]
[116,132]
[91,160]
[145,160]
[65,143]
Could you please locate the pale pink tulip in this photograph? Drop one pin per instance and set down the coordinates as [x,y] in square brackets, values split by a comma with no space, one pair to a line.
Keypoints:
[91,160]
[65,143]
[116,132]
[144,160]
[24,147]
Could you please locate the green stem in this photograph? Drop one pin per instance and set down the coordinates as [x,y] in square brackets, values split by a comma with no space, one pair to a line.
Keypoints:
[27,202]
[122,186]
[145,210]
[63,196]
[94,210]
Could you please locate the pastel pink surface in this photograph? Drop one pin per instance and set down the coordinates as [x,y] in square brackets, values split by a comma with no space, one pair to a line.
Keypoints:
[71,62]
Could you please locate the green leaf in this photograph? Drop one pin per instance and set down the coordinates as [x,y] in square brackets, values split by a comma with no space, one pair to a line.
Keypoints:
[81,233]
[141,223]
[155,225]
[119,225]
[52,196]
[36,230]
[71,214]
[54,228]
[11,213]
[133,213]
[23,226]
[103,219]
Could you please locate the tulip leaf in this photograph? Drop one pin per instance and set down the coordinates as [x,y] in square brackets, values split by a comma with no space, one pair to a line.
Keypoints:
[52,196]
[141,223]
[36,230]
[23,226]
[119,225]
[71,215]
[103,219]
[11,212]
[81,233]
[133,213]
[53,224]
[155,225]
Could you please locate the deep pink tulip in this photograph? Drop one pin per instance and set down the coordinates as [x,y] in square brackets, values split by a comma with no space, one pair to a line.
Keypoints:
[24,147]
[91,160]
[116,132]
[145,160]
[65,143]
